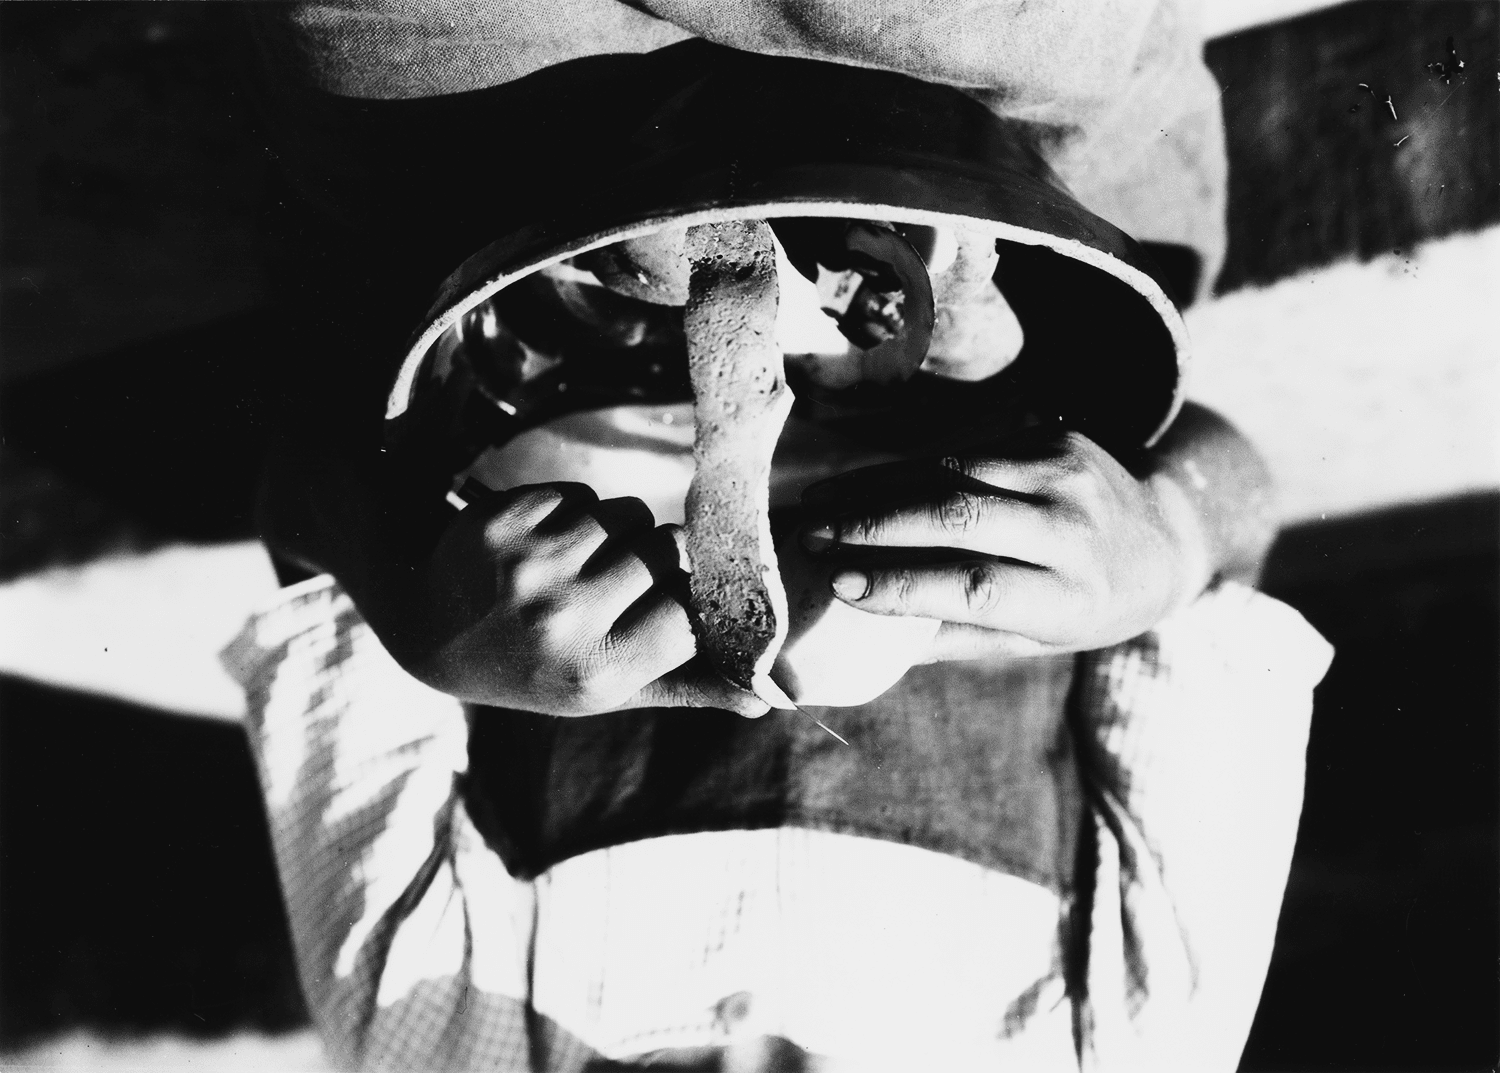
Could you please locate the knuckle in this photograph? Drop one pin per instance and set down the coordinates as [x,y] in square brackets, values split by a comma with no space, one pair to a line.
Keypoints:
[902,587]
[1071,473]
[498,531]
[1080,452]
[891,588]
[1076,443]
[1072,450]
[536,501]
[566,623]
[1077,494]
[963,466]
[859,530]
[538,506]
[533,575]
[982,587]
[959,514]
[552,630]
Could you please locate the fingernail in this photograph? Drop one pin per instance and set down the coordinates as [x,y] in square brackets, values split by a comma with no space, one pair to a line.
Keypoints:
[851,584]
[817,538]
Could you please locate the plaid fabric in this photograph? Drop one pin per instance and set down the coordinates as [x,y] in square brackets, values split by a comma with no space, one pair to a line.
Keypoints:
[357,761]
[1192,741]
[419,951]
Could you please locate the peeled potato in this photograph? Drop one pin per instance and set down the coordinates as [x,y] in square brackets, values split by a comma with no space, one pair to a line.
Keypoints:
[834,654]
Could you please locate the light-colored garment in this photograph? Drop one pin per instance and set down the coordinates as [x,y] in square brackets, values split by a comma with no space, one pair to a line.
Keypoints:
[418,950]
[1129,112]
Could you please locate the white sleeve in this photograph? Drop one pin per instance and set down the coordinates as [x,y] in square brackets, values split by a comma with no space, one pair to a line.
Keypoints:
[409,934]
[1193,741]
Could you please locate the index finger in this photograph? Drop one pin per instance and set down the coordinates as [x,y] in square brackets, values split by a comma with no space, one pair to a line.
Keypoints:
[1021,462]
[884,486]
[997,524]
[1011,597]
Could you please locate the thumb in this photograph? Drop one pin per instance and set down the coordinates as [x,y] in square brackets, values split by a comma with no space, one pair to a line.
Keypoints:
[697,685]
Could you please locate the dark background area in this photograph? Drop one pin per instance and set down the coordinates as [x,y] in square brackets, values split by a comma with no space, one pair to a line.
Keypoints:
[137,891]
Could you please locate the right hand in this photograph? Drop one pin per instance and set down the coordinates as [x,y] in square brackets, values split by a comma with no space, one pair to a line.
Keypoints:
[546,599]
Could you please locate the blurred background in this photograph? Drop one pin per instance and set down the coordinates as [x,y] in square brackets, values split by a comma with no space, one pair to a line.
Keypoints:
[1353,334]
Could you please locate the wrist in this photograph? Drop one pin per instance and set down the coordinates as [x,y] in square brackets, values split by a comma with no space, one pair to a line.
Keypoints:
[1227,484]
[1188,538]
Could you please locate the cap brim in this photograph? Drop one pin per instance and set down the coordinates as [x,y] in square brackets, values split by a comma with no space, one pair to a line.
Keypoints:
[727,135]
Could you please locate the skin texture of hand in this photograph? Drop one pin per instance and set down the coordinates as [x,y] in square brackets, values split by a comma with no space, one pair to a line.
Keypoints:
[540,599]
[546,599]
[1044,543]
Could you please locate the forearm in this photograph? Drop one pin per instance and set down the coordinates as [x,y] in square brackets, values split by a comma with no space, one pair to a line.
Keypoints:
[1218,475]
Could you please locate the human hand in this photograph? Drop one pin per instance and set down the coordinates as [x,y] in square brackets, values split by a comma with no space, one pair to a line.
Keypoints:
[1051,545]
[546,599]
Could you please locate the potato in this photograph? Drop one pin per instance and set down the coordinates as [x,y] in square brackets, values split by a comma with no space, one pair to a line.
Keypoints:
[834,654]
[741,401]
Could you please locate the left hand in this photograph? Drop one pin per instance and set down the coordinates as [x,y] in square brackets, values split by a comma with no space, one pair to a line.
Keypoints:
[1053,546]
